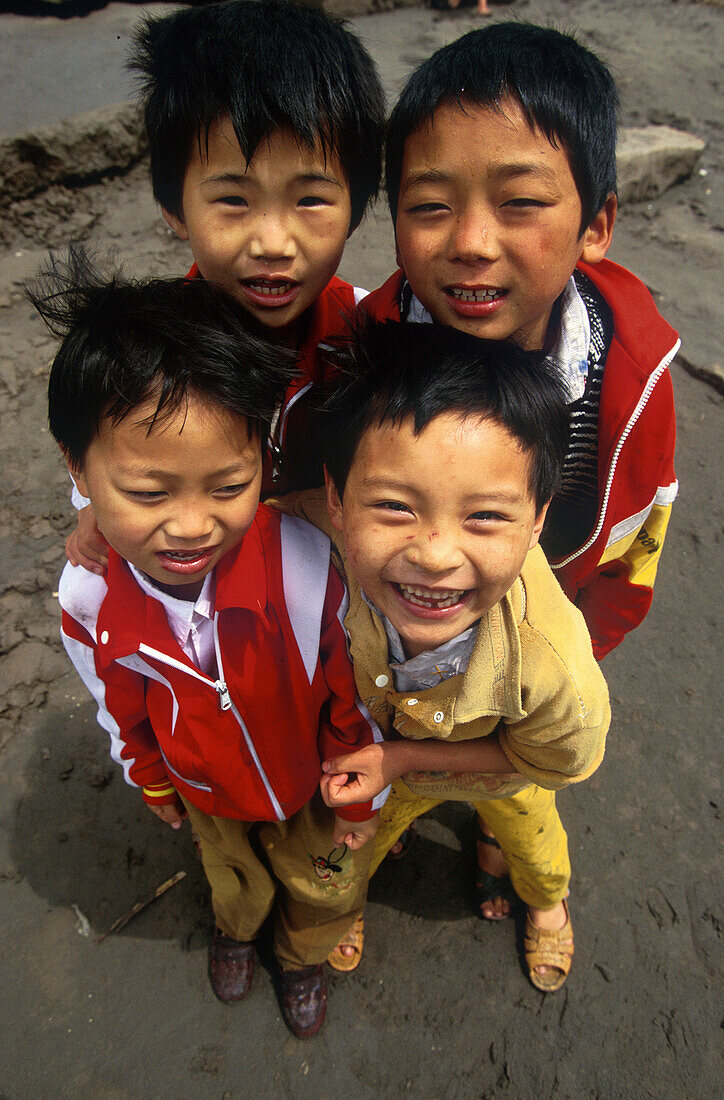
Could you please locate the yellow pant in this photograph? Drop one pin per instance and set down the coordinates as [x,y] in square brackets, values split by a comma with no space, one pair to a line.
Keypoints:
[319,889]
[526,826]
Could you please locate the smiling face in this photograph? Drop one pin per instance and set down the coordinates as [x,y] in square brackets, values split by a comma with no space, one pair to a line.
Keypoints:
[174,500]
[436,526]
[270,233]
[488,222]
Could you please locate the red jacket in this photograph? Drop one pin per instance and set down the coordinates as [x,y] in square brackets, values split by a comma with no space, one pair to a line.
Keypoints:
[248,745]
[301,466]
[610,577]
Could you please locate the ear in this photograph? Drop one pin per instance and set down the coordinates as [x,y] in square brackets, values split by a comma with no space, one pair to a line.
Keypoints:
[538,526]
[76,472]
[177,224]
[334,502]
[597,238]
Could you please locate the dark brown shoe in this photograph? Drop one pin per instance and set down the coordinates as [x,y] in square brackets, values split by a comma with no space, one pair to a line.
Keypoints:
[304,1000]
[231,967]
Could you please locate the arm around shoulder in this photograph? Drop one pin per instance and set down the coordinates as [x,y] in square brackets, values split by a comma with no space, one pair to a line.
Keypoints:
[562,737]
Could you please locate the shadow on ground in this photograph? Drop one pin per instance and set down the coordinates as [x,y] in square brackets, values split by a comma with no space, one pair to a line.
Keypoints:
[83,837]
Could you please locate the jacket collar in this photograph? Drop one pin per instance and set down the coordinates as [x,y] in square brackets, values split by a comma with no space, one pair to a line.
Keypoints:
[384,303]
[490,686]
[128,617]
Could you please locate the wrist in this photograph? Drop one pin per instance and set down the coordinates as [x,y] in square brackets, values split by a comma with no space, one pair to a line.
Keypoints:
[398,759]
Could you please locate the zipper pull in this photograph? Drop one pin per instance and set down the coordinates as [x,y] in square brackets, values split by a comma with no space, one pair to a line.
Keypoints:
[224,697]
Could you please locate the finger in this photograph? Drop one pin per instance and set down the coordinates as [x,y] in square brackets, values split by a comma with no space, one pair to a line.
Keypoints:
[342,763]
[70,551]
[91,565]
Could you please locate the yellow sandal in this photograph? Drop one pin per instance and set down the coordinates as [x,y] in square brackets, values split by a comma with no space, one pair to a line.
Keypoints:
[549,947]
[354,938]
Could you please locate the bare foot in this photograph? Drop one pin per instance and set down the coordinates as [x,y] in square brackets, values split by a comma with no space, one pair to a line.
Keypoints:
[483,8]
[403,843]
[491,860]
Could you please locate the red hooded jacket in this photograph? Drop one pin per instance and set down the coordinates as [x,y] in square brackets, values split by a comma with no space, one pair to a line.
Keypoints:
[248,745]
[610,577]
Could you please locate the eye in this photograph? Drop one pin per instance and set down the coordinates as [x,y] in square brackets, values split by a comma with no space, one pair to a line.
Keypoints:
[313,200]
[145,496]
[428,208]
[231,200]
[231,490]
[486,517]
[525,203]
[393,506]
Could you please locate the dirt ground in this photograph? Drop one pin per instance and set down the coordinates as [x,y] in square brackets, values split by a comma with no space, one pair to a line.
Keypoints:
[441,1006]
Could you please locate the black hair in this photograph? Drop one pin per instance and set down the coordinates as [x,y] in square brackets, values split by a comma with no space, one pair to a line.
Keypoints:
[563,89]
[393,371]
[268,64]
[125,342]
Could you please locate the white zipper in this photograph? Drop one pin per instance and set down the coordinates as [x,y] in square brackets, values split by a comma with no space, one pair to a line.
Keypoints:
[292,401]
[648,389]
[225,703]
[275,446]
[218,685]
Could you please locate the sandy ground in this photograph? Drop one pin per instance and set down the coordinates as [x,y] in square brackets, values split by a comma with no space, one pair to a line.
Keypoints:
[441,1006]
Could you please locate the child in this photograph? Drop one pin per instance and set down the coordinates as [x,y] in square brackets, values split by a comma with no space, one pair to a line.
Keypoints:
[501,179]
[442,453]
[265,123]
[212,645]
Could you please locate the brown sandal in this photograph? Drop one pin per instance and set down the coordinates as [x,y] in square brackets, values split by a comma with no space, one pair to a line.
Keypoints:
[354,938]
[549,947]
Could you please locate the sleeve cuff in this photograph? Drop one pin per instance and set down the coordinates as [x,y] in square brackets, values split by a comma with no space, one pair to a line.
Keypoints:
[362,811]
[159,794]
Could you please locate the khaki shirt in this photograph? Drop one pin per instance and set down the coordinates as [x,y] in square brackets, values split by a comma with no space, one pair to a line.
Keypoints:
[532,677]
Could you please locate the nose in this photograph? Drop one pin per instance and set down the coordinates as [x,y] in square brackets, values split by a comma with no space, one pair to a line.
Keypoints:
[271,238]
[435,551]
[474,236]
[191,523]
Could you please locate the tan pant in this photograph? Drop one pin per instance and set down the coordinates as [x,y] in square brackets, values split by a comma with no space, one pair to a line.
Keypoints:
[526,826]
[318,888]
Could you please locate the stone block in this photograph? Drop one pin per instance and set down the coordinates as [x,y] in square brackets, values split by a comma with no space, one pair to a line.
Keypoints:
[650,159]
[91,145]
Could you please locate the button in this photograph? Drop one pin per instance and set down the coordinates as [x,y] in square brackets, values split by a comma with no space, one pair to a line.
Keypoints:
[412,702]
[382,681]
[104,637]
[438,716]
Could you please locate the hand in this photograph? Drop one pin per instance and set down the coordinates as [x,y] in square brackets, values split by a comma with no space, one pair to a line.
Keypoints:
[360,776]
[173,813]
[354,834]
[86,546]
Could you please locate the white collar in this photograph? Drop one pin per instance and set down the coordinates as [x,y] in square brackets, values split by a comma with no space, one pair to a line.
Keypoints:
[182,615]
[431,667]
[570,351]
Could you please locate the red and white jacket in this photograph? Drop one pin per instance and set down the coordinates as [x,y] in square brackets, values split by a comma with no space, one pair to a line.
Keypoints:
[249,744]
[610,577]
[291,460]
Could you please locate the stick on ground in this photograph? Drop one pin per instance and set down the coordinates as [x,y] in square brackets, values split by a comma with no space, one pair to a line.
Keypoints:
[123,921]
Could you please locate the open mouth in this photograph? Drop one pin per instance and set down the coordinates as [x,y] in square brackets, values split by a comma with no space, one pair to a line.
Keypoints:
[462,294]
[186,561]
[431,599]
[476,301]
[270,293]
